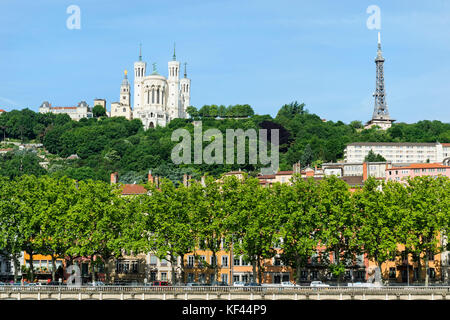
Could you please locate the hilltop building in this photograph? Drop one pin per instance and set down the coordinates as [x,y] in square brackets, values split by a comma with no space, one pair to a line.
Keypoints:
[82,110]
[156,99]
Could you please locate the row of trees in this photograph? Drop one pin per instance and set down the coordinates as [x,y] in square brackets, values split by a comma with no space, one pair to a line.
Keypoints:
[214,111]
[66,218]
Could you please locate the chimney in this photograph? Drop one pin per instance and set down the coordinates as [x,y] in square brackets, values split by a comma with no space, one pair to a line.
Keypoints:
[150,177]
[365,174]
[114,177]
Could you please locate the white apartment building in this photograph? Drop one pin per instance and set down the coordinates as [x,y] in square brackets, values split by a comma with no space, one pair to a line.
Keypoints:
[402,152]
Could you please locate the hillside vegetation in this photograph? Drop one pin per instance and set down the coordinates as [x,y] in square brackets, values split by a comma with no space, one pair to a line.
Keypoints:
[104,145]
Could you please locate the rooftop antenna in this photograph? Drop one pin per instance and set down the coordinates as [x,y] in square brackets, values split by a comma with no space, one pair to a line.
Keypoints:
[185,74]
[140,51]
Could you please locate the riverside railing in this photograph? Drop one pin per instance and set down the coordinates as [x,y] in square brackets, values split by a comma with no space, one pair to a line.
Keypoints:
[225,289]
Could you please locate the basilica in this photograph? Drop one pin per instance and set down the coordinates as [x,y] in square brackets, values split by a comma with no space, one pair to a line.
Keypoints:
[156,99]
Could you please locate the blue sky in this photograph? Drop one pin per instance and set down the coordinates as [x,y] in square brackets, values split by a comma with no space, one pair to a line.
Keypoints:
[264,53]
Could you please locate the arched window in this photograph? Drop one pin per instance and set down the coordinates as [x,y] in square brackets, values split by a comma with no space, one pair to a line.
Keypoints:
[153,95]
[148,97]
[151,125]
[157,96]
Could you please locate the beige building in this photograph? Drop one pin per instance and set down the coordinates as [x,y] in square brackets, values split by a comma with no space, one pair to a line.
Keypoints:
[82,110]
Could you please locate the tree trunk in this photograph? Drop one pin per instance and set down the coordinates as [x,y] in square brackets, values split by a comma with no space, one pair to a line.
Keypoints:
[183,280]
[107,277]
[299,270]
[16,267]
[92,269]
[419,268]
[427,277]
[407,268]
[215,269]
[254,269]
[172,267]
[53,268]
[259,271]
[30,253]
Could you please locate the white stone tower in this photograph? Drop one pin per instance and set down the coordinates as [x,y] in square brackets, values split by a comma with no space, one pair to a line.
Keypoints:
[139,74]
[185,87]
[125,91]
[173,81]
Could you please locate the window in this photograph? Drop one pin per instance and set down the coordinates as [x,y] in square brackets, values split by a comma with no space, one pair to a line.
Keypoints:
[392,273]
[237,261]
[84,269]
[277,261]
[163,262]
[224,278]
[134,267]
[8,266]
[314,275]
[224,261]
[190,261]
[236,278]
[285,278]
[201,261]
[244,278]
[190,277]
[153,260]
[276,278]
[153,276]
[416,274]
[163,276]
[213,260]
[431,273]
[360,275]
[304,275]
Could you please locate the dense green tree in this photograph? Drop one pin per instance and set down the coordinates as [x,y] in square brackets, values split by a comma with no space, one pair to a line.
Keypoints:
[300,223]
[372,157]
[98,111]
[339,228]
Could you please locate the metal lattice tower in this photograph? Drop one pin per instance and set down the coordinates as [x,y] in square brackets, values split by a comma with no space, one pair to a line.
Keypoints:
[380,108]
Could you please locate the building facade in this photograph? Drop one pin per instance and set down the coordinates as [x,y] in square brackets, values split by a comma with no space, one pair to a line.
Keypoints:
[398,153]
[82,110]
[417,170]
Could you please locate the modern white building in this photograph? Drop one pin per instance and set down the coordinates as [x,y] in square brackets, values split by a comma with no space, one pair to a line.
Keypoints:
[402,152]
[82,110]
[156,99]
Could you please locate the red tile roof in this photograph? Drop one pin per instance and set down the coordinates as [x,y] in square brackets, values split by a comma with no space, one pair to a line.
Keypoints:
[281,173]
[128,189]
[420,166]
[267,176]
